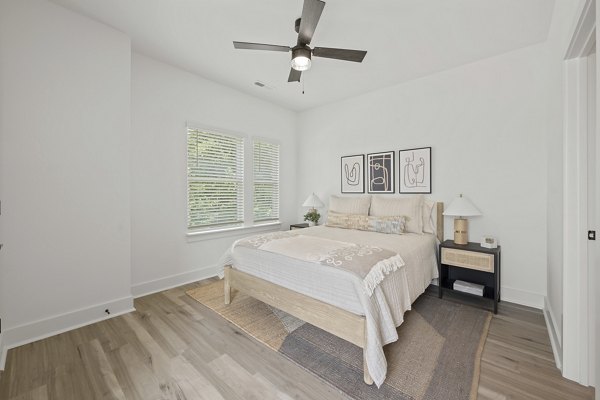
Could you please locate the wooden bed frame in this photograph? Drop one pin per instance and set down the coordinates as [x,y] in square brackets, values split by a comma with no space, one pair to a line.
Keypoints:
[338,322]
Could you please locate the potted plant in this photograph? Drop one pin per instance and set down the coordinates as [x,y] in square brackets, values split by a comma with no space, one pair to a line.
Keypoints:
[312,217]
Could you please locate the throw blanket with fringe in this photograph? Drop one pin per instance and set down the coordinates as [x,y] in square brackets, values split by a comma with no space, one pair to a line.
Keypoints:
[370,263]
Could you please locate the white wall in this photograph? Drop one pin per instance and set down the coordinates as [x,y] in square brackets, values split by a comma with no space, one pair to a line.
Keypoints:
[487,125]
[163,99]
[64,126]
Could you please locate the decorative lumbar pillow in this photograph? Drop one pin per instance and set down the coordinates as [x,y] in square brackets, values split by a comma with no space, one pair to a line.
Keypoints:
[410,207]
[392,224]
[395,224]
[350,205]
[428,225]
[347,221]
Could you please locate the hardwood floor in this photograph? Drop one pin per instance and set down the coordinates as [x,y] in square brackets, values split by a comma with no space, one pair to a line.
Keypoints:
[175,348]
[517,360]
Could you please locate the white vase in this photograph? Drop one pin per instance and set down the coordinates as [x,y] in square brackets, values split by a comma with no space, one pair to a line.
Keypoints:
[311,223]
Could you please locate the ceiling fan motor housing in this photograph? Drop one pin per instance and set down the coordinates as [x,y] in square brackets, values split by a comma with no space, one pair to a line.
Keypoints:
[301,51]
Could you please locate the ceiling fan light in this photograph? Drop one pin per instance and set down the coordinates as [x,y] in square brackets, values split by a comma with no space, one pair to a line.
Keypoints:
[301,63]
[301,59]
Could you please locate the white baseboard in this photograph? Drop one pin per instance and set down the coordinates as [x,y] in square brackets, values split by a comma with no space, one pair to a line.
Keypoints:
[522,297]
[44,328]
[554,332]
[2,354]
[169,282]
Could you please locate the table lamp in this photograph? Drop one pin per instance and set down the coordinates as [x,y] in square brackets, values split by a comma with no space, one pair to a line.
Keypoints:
[313,202]
[461,207]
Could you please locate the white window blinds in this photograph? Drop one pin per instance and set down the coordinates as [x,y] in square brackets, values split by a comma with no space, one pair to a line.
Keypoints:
[266,181]
[215,164]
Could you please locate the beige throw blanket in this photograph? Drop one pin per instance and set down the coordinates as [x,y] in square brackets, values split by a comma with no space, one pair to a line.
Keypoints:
[370,263]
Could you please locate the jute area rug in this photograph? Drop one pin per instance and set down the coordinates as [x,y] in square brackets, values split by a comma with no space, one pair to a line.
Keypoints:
[437,356]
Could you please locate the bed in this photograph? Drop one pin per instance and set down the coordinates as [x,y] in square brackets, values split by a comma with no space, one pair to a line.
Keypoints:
[333,299]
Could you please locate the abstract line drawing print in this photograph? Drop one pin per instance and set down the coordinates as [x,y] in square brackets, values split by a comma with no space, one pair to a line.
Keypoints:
[415,170]
[352,174]
[381,172]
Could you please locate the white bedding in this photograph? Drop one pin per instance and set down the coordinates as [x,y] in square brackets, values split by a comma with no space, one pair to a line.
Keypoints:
[383,311]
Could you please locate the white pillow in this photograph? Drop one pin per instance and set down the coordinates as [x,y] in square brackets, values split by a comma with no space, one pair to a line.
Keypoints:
[350,205]
[428,225]
[410,207]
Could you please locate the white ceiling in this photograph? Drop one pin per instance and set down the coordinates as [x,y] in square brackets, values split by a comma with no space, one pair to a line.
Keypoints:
[405,39]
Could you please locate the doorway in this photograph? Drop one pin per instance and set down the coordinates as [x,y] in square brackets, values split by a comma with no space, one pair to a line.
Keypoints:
[580,205]
[592,217]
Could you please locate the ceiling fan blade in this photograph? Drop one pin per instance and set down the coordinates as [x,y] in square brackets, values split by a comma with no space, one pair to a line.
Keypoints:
[260,46]
[311,12]
[339,54]
[294,75]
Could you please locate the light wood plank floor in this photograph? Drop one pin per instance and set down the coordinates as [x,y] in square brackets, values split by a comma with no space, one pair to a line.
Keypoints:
[174,348]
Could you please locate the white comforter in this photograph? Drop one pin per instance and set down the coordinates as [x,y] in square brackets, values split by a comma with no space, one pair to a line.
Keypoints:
[384,310]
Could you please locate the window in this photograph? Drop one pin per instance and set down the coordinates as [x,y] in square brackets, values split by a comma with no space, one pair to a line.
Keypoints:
[266,181]
[215,169]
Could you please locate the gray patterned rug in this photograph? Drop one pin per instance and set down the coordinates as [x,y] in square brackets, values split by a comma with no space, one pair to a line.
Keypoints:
[436,357]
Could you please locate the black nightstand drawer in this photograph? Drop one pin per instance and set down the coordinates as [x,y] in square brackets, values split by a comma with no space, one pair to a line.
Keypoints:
[468,259]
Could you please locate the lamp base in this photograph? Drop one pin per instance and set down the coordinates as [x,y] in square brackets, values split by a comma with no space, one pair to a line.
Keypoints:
[461,234]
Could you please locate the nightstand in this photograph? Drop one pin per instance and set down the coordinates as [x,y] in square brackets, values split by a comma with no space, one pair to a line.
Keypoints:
[298,226]
[470,263]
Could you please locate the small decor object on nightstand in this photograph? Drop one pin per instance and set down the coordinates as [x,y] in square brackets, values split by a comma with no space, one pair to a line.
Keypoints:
[461,207]
[468,287]
[489,242]
[312,216]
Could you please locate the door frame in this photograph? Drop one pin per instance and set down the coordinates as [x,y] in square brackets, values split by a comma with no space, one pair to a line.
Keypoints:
[578,323]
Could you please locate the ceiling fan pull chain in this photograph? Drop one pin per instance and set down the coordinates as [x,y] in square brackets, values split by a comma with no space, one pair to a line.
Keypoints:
[303,78]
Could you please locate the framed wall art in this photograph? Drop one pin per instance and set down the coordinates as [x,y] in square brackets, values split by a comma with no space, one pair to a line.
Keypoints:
[415,170]
[353,174]
[380,172]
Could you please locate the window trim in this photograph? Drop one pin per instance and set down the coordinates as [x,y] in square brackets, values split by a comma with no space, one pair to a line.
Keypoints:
[196,236]
[248,225]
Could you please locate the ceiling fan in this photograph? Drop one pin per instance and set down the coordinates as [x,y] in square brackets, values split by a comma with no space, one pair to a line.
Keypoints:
[301,53]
